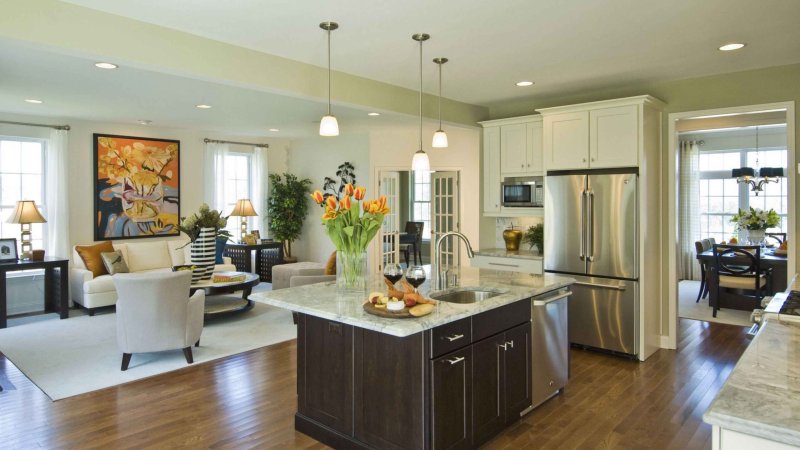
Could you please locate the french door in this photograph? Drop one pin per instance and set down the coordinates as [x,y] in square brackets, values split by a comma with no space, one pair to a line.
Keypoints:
[445,216]
[389,234]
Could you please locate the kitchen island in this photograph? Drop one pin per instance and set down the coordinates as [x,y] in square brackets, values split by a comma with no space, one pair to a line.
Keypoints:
[451,379]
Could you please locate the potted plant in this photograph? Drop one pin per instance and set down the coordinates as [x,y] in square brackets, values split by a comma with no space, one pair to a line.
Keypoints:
[287,208]
[534,235]
[755,223]
[203,229]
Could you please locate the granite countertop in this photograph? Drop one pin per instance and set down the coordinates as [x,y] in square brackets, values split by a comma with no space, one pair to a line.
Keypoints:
[503,253]
[323,300]
[762,394]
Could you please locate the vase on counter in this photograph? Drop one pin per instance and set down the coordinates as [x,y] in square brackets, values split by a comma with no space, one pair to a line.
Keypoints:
[351,271]
[512,238]
[203,254]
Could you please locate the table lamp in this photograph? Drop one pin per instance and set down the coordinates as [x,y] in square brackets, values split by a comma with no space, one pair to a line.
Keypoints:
[25,214]
[243,209]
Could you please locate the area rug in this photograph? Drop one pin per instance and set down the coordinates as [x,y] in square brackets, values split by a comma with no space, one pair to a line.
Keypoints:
[78,355]
[688,309]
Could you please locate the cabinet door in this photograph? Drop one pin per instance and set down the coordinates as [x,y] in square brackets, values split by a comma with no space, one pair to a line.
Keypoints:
[614,137]
[513,152]
[566,141]
[451,400]
[517,371]
[488,406]
[491,170]
[535,147]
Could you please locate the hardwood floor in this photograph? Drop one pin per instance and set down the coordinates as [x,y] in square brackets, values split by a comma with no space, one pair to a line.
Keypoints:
[249,400]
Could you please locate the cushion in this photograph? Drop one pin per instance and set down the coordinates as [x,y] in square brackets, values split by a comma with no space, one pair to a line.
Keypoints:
[732,282]
[90,254]
[330,266]
[221,243]
[148,255]
[101,284]
[114,262]
[177,250]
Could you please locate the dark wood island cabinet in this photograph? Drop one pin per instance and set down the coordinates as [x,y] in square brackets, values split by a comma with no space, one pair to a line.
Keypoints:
[450,387]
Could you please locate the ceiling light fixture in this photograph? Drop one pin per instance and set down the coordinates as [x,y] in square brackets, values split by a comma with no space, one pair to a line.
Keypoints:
[144,122]
[34,101]
[202,106]
[373,114]
[732,46]
[524,83]
[420,162]
[440,137]
[105,65]
[274,130]
[748,175]
[328,126]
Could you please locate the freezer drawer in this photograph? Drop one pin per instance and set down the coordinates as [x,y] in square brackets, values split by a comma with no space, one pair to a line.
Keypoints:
[603,313]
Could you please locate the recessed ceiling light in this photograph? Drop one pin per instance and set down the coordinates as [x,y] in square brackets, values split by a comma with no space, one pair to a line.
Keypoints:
[144,122]
[373,114]
[33,100]
[274,130]
[201,106]
[732,46]
[524,83]
[105,65]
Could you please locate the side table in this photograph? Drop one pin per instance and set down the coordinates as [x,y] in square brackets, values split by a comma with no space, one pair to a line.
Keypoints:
[56,284]
[268,254]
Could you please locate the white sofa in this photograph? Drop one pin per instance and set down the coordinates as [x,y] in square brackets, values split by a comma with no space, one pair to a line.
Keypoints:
[145,256]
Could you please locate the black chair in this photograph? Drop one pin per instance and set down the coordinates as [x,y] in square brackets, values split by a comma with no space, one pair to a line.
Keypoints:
[412,241]
[700,247]
[779,237]
[739,267]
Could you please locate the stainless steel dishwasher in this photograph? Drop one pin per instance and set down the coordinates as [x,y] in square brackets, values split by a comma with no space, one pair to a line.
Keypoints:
[549,345]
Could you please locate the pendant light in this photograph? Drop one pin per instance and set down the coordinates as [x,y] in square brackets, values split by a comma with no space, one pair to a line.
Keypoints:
[420,163]
[440,137]
[328,126]
[747,175]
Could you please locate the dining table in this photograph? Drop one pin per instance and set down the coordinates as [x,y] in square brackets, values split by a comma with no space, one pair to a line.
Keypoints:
[733,300]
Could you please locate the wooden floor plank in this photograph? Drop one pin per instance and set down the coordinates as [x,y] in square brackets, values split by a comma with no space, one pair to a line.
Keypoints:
[248,401]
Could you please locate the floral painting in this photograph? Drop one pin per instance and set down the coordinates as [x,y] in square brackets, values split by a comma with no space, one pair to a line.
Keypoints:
[137,187]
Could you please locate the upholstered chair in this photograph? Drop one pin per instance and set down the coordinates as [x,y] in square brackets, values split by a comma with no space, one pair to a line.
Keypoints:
[155,313]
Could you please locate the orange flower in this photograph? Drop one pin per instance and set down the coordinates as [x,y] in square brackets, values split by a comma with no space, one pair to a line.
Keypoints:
[330,202]
[360,192]
[345,202]
[348,189]
[381,205]
[366,205]
[317,196]
[329,214]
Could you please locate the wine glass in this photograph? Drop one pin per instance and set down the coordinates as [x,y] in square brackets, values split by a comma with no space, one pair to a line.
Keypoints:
[393,272]
[415,275]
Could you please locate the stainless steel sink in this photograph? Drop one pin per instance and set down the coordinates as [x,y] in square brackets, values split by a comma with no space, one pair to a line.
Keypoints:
[465,295]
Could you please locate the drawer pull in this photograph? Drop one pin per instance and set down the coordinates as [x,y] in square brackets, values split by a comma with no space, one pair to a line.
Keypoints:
[454,337]
[501,264]
[510,344]
[455,360]
[503,346]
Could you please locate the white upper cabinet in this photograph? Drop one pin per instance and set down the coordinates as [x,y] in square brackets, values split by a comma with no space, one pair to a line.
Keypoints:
[566,141]
[491,170]
[614,137]
[513,148]
[534,132]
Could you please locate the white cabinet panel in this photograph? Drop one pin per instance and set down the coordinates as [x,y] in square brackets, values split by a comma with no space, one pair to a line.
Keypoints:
[533,266]
[513,151]
[566,141]
[491,170]
[535,147]
[614,137]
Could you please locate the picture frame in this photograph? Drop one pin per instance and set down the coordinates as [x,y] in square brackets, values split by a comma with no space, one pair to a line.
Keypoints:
[256,235]
[249,239]
[136,187]
[8,250]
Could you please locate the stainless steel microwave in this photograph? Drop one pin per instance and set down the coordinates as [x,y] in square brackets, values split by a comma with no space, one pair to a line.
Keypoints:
[523,192]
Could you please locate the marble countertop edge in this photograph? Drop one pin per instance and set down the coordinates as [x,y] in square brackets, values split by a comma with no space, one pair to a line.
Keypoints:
[760,429]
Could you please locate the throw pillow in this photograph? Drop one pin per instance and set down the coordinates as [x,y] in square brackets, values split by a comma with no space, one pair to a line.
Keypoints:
[90,254]
[330,266]
[114,262]
[221,243]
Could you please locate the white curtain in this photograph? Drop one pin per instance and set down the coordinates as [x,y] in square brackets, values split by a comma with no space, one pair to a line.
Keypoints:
[689,204]
[258,187]
[215,176]
[56,198]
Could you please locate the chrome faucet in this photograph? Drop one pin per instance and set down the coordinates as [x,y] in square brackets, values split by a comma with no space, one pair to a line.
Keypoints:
[441,274]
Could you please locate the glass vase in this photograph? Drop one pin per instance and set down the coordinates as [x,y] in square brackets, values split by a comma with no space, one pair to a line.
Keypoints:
[756,237]
[351,270]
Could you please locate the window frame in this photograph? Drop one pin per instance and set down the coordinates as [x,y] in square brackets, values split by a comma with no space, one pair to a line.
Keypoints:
[42,203]
[412,184]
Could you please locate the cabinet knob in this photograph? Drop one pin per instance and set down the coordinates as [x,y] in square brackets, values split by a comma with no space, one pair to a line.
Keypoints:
[551,383]
[584,159]
[592,159]
[529,165]
[522,165]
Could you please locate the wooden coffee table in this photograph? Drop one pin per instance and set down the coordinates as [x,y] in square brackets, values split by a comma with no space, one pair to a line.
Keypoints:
[216,307]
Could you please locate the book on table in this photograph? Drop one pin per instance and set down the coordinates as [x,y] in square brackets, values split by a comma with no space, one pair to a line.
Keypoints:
[232,278]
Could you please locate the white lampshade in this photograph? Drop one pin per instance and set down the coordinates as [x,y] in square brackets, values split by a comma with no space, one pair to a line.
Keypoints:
[420,162]
[440,139]
[328,126]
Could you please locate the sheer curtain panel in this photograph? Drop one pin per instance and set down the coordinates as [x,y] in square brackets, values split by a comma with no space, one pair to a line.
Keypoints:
[215,155]
[56,198]
[689,204]
[258,187]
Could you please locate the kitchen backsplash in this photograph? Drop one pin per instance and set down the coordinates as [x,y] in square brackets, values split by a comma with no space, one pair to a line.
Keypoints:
[520,223]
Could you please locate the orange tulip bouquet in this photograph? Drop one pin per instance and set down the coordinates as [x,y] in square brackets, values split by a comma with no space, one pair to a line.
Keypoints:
[351,228]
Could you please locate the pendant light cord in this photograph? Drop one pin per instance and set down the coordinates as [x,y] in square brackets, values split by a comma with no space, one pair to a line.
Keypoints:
[440,96]
[420,95]
[329,72]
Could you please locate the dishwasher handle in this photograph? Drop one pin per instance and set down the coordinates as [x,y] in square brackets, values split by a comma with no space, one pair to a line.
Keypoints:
[546,300]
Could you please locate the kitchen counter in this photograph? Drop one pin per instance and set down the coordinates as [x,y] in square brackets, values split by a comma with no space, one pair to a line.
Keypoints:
[762,395]
[323,300]
[503,253]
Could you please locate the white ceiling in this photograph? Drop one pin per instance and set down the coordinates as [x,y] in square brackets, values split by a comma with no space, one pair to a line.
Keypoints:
[565,46]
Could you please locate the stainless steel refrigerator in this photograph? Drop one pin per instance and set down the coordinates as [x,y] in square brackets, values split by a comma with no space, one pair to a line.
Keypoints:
[591,235]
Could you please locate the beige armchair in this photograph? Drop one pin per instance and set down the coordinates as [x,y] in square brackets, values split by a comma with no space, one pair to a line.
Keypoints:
[155,313]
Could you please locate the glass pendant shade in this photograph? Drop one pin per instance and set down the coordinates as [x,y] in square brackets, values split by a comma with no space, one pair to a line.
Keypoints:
[420,163]
[439,139]
[328,126]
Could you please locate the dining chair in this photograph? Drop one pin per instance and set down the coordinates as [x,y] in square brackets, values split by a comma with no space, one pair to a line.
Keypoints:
[412,240]
[739,267]
[780,237]
[701,246]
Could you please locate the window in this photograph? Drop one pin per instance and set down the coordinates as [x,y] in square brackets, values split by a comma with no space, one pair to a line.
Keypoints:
[421,201]
[21,178]
[721,196]
[237,186]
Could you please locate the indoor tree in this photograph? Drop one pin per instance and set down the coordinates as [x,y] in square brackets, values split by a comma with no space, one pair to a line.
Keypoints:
[287,208]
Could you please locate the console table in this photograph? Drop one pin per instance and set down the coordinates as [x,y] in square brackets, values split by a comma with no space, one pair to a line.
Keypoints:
[56,284]
[268,254]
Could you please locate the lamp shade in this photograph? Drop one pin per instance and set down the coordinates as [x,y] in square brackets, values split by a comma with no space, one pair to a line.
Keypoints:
[439,139]
[420,163]
[329,126]
[26,212]
[243,208]
[772,172]
[743,172]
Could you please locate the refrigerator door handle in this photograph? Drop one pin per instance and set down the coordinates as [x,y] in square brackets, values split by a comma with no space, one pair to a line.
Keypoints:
[602,286]
[583,222]
[590,228]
